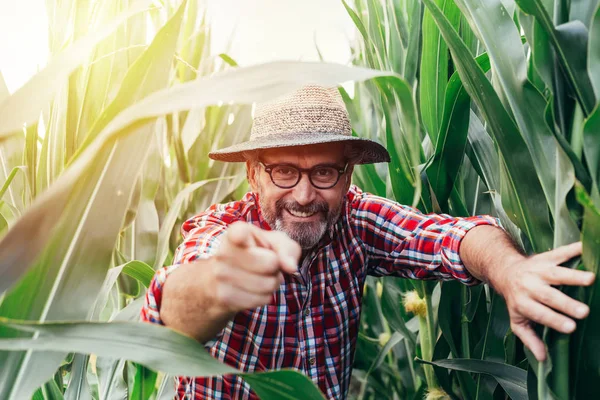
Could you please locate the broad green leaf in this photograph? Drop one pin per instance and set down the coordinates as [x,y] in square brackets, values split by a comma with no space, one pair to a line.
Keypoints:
[414,39]
[140,240]
[402,138]
[392,341]
[583,10]
[283,384]
[68,276]
[138,270]
[24,106]
[141,381]
[171,352]
[79,388]
[593,66]
[169,221]
[569,42]
[586,360]
[244,85]
[9,179]
[531,212]
[591,140]
[434,68]
[372,58]
[451,140]
[512,379]
[498,32]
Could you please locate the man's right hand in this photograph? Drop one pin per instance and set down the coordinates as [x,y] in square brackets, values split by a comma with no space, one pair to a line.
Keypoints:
[201,297]
[249,265]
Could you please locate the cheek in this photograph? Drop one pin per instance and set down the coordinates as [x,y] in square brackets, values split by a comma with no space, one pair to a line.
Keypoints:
[269,194]
[335,198]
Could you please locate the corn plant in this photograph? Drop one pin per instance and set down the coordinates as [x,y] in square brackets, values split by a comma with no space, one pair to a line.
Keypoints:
[104,153]
[486,107]
[506,124]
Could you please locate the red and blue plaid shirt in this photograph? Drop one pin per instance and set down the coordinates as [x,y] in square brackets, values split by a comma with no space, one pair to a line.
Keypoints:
[312,322]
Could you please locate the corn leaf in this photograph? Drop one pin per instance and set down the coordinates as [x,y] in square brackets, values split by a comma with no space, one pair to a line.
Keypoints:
[434,68]
[70,272]
[594,53]
[512,379]
[570,44]
[530,213]
[170,352]
[24,106]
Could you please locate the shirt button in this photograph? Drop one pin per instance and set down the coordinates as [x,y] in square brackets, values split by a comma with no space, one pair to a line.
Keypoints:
[306,312]
[312,361]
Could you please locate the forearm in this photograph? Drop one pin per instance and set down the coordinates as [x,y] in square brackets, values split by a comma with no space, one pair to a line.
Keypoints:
[486,251]
[189,307]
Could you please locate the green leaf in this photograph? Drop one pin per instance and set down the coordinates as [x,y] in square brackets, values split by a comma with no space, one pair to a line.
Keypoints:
[240,85]
[283,384]
[402,138]
[171,352]
[512,379]
[230,61]
[69,274]
[569,41]
[451,140]
[140,271]
[586,340]
[593,66]
[530,213]
[79,388]
[498,32]
[141,382]
[434,68]
[392,341]
[168,223]
[591,140]
[24,106]
[9,179]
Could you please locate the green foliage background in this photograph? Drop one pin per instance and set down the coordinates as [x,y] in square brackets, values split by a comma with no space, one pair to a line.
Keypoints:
[487,107]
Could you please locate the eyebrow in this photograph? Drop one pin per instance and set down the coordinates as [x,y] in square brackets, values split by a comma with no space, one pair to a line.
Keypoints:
[296,166]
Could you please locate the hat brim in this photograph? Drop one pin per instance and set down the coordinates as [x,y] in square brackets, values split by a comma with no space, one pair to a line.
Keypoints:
[373,152]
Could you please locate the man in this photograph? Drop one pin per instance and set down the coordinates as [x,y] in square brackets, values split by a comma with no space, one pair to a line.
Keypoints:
[275,280]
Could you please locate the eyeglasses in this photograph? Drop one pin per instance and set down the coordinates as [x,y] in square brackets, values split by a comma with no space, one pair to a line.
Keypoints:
[287,176]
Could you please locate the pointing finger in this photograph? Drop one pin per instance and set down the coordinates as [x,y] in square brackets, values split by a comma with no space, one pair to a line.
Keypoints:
[287,249]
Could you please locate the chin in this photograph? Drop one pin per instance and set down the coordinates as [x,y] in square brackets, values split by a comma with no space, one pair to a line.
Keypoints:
[307,234]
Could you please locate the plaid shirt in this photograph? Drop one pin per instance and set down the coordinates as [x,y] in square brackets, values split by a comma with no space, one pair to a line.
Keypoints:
[312,322]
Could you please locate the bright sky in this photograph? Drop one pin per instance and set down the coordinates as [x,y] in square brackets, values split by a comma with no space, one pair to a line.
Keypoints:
[265,30]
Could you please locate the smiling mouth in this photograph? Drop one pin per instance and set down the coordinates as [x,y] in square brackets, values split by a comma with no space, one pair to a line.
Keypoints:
[299,214]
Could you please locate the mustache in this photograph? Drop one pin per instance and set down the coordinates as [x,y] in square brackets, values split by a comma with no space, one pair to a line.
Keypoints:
[314,207]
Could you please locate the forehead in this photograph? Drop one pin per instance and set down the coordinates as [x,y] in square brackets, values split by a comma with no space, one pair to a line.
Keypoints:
[324,153]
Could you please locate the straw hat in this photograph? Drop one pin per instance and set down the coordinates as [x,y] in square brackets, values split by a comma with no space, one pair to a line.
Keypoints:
[310,115]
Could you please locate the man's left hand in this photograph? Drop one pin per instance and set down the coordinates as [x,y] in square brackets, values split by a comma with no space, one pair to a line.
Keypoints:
[527,286]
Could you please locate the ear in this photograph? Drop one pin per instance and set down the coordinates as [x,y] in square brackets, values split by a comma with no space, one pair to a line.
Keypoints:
[251,176]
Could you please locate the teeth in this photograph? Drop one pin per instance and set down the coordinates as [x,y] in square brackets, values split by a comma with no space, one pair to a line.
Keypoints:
[300,214]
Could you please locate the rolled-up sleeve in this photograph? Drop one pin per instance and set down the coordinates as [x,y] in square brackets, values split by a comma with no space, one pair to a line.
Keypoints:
[401,241]
[201,239]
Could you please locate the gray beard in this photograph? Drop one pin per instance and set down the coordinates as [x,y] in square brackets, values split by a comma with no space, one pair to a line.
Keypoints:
[307,234]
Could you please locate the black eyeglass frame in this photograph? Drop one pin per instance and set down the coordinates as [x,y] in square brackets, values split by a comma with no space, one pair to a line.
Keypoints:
[269,169]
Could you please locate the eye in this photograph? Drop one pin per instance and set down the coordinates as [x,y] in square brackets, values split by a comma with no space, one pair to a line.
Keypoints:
[284,171]
[325,172]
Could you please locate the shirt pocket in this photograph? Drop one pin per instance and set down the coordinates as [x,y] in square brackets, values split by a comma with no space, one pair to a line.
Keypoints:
[342,309]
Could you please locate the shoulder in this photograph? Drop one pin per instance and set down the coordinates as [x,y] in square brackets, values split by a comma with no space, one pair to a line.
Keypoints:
[361,202]
[224,214]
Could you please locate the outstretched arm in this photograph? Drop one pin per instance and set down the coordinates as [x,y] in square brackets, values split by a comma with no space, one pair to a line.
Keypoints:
[526,282]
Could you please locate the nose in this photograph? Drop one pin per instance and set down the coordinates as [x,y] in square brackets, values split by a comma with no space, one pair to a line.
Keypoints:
[304,192]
